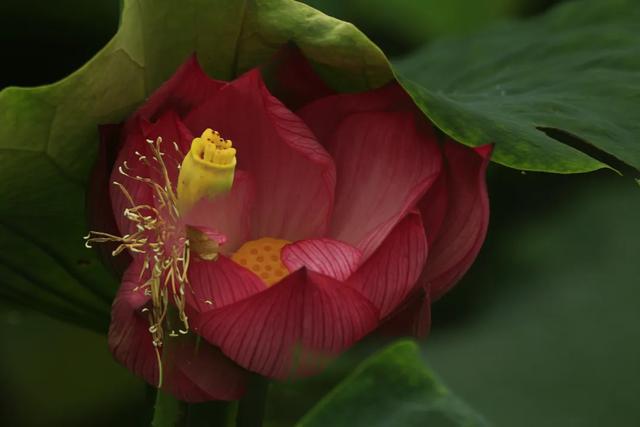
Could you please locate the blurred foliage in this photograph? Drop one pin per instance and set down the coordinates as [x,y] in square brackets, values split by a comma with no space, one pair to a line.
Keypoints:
[44,42]
[546,329]
[57,375]
[407,24]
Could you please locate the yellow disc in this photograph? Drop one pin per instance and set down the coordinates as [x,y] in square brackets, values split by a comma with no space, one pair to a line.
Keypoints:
[262,257]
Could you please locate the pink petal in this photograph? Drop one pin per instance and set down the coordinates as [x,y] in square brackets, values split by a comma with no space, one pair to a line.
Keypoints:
[413,318]
[392,271]
[326,256]
[294,176]
[129,337]
[212,235]
[465,225]
[140,193]
[185,90]
[191,372]
[176,142]
[433,207]
[295,82]
[446,224]
[218,283]
[229,214]
[291,329]
[196,371]
[385,164]
[325,115]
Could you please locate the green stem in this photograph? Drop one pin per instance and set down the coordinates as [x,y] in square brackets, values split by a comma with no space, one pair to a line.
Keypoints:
[251,406]
[169,411]
[211,414]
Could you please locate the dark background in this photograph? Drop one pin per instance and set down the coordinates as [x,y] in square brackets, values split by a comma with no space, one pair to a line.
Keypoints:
[544,330]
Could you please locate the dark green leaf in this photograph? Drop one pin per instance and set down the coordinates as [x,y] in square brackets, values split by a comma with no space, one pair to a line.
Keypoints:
[391,388]
[48,135]
[573,73]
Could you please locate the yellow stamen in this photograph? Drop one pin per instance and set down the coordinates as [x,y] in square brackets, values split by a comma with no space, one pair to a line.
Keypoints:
[164,248]
[206,171]
[262,257]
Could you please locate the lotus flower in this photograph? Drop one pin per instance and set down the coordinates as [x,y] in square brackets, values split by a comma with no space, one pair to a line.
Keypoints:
[278,248]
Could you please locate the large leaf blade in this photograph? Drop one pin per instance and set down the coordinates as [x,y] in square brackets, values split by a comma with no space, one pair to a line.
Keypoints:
[575,69]
[392,387]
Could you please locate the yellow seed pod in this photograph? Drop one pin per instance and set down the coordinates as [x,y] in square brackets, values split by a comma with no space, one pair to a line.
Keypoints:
[206,171]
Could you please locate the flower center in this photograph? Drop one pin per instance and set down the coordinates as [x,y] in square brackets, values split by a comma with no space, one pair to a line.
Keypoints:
[262,257]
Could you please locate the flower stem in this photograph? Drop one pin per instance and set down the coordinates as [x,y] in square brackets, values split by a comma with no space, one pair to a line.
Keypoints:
[168,411]
[211,414]
[251,406]
[171,412]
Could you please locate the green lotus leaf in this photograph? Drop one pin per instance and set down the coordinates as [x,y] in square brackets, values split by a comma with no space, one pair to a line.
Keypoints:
[557,93]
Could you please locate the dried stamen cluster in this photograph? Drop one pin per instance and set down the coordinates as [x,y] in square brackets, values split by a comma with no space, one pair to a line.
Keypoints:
[159,239]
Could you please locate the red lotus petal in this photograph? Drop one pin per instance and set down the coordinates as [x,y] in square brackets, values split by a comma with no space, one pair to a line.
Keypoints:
[384,166]
[141,194]
[129,337]
[411,319]
[392,271]
[325,115]
[291,329]
[186,89]
[196,371]
[138,131]
[294,176]
[229,213]
[295,82]
[176,142]
[326,256]
[433,207]
[215,284]
[465,224]
[212,235]
[131,344]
